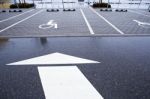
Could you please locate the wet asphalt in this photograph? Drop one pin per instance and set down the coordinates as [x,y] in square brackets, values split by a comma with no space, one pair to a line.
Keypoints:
[122,74]
[124,69]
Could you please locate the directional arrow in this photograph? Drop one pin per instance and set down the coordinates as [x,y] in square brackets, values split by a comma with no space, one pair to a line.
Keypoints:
[63,82]
[52,59]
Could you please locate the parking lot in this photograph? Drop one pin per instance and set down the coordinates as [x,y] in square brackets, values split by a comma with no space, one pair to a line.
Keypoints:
[82,54]
[82,22]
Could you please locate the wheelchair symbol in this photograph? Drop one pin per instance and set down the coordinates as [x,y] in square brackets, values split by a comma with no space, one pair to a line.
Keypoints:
[50,24]
[143,24]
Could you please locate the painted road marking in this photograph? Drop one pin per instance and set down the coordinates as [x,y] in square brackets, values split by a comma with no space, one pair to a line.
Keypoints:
[54,58]
[50,24]
[87,23]
[21,21]
[16,16]
[143,24]
[138,13]
[66,82]
[118,30]
[63,82]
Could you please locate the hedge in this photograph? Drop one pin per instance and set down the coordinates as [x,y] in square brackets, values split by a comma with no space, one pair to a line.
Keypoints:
[22,5]
[101,5]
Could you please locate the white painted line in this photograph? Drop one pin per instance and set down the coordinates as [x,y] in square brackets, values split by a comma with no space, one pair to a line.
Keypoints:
[139,13]
[20,21]
[87,23]
[118,30]
[54,58]
[66,82]
[15,16]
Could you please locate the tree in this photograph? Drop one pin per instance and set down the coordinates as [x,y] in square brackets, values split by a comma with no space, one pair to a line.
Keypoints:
[19,1]
[100,1]
[24,1]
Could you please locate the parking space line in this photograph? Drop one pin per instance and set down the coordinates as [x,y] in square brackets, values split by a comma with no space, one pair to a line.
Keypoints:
[21,21]
[15,16]
[138,13]
[87,23]
[118,30]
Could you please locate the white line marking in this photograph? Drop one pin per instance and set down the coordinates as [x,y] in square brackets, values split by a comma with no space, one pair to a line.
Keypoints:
[54,58]
[20,21]
[138,13]
[87,23]
[107,21]
[15,16]
[66,82]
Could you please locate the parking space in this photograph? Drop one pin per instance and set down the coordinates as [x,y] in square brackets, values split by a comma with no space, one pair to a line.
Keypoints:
[142,11]
[13,20]
[69,23]
[82,22]
[7,14]
[99,26]
[128,22]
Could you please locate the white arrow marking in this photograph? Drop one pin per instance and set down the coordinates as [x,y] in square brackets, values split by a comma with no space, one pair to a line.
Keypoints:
[66,82]
[63,82]
[142,23]
[50,24]
[54,58]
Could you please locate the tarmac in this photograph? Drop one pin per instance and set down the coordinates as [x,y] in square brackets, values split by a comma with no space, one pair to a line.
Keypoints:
[109,49]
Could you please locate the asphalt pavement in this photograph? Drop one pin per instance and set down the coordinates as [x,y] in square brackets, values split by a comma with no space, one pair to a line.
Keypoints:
[122,72]
[82,22]
[75,54]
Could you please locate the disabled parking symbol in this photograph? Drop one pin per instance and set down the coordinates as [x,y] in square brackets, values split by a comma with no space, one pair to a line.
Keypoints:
[50,24]
[142,24]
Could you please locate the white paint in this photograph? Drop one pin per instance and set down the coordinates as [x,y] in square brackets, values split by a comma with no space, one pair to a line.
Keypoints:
[139,13]
[54,58]
[50,24]
[87,23]
[66,82]
[55,26]
[143,24]
[15,16]
[20,21]
[118,30]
